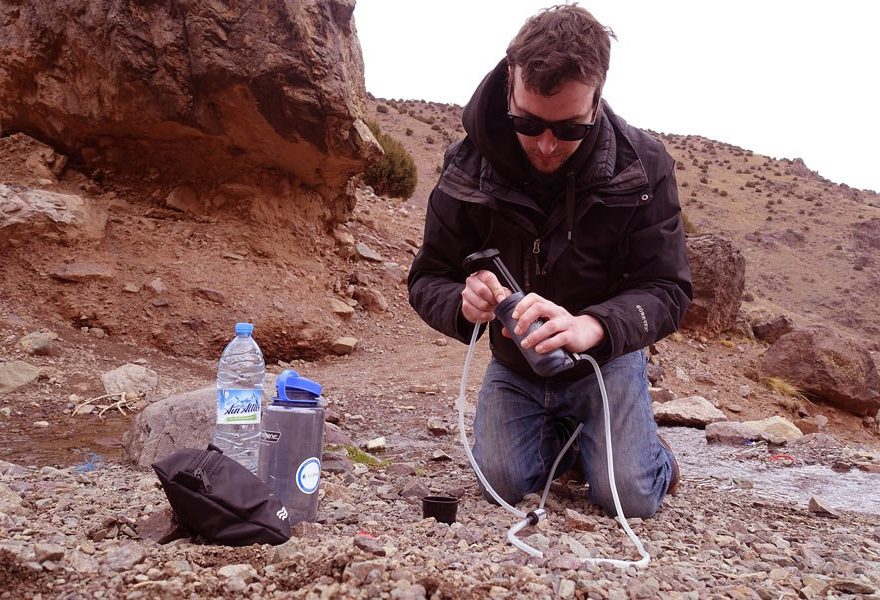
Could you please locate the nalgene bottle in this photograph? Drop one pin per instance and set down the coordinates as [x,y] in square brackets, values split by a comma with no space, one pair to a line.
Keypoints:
[291,444]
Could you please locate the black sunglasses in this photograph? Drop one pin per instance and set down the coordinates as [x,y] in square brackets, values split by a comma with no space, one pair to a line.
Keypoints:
[565,131]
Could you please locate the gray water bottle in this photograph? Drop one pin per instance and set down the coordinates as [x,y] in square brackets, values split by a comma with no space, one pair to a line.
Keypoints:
[291,444]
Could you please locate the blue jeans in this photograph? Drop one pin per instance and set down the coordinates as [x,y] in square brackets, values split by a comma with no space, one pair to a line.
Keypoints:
[518,434]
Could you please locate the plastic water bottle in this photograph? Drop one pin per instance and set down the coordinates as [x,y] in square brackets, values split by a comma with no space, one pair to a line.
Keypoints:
[291,445]
[239,398]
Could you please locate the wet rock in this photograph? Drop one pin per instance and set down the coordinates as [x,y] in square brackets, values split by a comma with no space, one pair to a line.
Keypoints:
[81,272]
[37,343]
[731,432]
[820,362]
[344,345]
[693,411]
[130,379]
[15,374]
[775,430]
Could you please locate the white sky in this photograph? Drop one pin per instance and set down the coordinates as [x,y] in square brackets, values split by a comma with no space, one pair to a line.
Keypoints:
[784,78]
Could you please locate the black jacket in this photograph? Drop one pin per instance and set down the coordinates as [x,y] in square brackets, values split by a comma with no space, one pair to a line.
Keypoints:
[611,243]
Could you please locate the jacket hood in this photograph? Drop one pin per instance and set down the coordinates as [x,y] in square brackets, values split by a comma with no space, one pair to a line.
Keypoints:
[485,120]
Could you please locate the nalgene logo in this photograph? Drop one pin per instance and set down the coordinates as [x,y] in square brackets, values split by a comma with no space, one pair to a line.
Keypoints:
[271,437]
[282,514]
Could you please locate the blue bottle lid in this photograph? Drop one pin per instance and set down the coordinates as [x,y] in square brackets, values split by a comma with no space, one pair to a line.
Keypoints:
[244,328]
[290,387]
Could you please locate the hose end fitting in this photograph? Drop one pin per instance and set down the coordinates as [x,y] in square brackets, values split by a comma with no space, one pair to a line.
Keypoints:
[535,516]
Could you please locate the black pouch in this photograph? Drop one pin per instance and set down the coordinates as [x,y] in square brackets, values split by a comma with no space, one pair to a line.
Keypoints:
[219,499]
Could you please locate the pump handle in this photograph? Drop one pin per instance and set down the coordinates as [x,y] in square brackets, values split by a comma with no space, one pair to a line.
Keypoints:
[490,260]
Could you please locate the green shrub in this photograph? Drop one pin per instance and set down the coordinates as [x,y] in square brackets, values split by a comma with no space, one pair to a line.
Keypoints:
[395,173]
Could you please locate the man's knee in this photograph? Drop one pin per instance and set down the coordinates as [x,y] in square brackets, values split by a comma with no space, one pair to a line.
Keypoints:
[508,481]
[635,500]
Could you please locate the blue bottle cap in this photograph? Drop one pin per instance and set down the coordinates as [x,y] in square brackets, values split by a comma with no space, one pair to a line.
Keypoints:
[290,387]
[244,329]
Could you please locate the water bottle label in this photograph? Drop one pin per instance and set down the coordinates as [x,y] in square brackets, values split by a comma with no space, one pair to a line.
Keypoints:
[308,475]
[238,407]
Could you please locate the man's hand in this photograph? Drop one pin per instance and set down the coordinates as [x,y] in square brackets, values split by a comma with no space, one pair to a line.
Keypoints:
[481,294]
[561,330]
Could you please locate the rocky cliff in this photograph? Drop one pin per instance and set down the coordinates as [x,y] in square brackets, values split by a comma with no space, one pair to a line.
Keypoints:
[206,93]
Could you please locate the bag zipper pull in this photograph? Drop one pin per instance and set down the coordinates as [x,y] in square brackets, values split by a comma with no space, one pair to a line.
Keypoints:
[206,483]
[536,250]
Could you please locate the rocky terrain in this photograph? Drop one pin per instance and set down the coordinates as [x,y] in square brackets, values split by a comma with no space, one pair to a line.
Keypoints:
[119,286]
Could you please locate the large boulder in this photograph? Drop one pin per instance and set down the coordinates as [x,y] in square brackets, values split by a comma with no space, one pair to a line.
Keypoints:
[211,92]
[719,274]
[826,365]
[27,214]
[180,421]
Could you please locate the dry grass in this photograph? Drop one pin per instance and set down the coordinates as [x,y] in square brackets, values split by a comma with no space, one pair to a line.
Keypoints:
[781,386]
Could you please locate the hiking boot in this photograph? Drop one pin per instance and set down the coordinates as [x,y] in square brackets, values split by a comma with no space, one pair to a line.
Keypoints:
[676,472]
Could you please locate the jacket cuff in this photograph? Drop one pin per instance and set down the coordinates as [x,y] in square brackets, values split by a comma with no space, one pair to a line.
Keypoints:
[608,347]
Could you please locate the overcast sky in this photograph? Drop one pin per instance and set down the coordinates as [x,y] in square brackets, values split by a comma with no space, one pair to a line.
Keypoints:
[784,78]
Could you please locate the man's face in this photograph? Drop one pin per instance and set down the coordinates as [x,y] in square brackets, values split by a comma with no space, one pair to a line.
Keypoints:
[573,101]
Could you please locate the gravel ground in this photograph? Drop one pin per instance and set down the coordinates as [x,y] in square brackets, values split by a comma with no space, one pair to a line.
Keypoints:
[65,534]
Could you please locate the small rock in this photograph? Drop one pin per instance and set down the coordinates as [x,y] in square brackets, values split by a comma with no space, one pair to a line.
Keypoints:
[41,424]
[37,343]
[693,411]
[566,588]
[306,530]
[731,432]
[776,429]
[76,272]
[10,502]
[125,556]
[15,374]
[241,571]
[368,543]
[660,395]
[131,288]
[344,345]
[441,341]
[414,488]
[745,391]
[339,307]
[158,286]
[212,295]
[438,455]
[366,253]
[130,379]
[401,469]
[437,427]
[44,552]
[577,521]
[375,445]
[820,507]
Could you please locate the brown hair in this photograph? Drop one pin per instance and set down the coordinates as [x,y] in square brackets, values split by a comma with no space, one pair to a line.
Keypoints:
[560,44]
